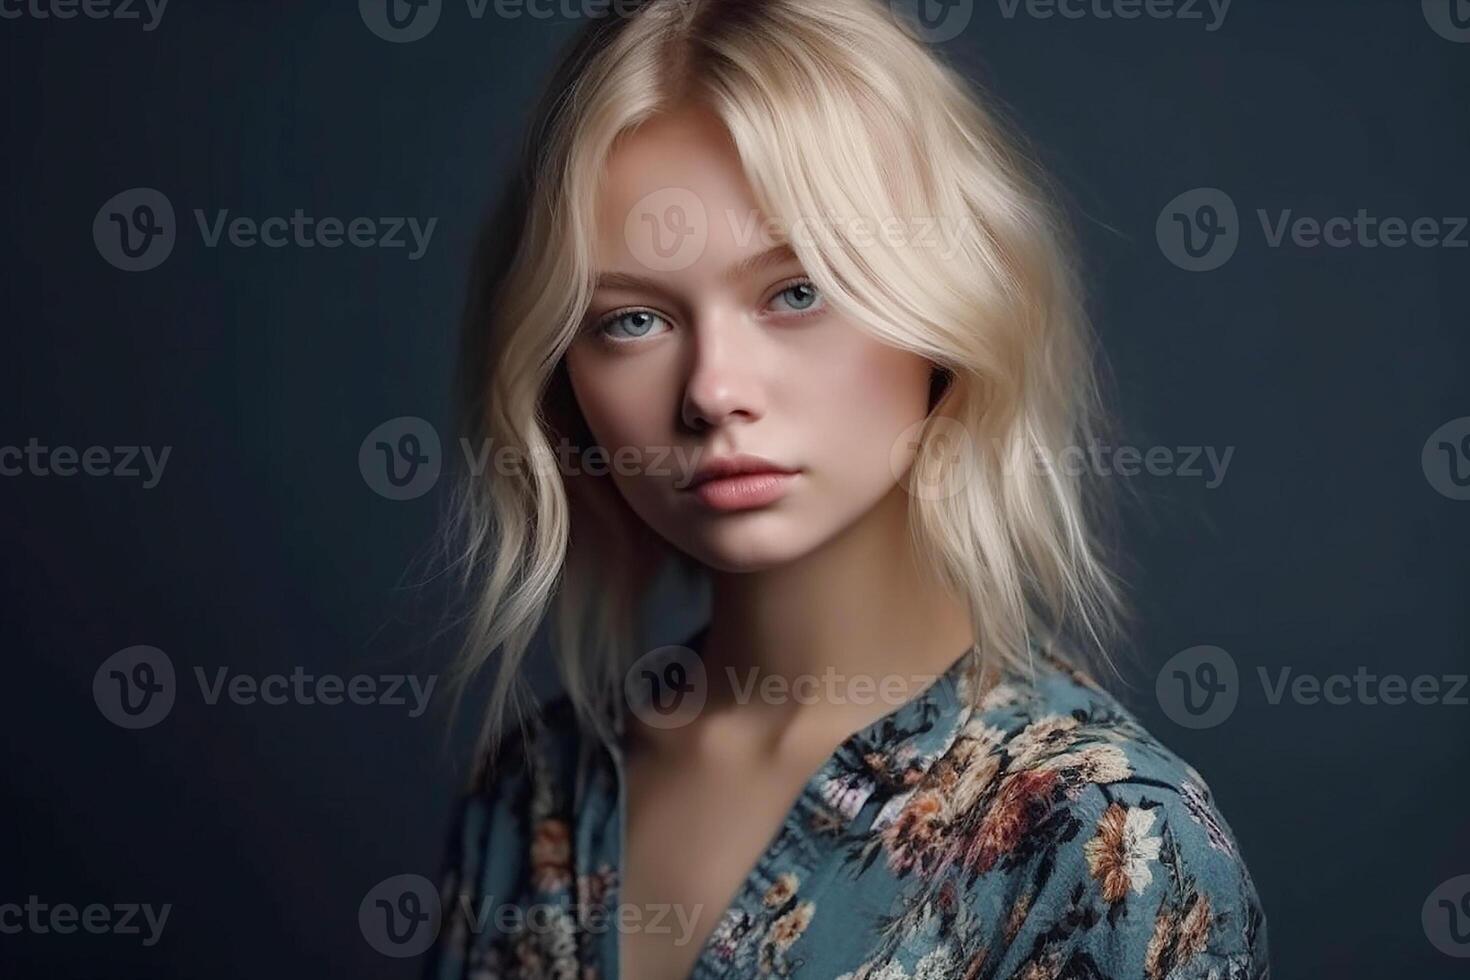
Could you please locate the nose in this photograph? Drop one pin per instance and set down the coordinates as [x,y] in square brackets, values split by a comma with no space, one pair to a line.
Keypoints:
[723,383]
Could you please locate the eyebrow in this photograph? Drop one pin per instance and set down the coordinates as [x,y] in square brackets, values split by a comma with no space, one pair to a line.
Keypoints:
[773,256]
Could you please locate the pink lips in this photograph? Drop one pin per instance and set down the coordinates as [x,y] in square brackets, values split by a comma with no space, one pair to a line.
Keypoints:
[744,491]
[740,482]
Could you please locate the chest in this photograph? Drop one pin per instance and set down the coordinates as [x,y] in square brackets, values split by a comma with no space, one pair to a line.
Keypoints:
[694,835]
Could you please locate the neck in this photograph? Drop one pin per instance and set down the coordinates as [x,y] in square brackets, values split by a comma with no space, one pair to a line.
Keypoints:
[861,606]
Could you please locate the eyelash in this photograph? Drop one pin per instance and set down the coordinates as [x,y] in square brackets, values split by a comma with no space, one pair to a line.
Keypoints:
[598,326]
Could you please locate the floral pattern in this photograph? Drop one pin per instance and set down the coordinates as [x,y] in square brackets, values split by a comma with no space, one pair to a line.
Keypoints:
[1027,829]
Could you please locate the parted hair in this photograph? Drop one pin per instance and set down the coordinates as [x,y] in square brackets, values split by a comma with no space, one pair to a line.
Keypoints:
[835,109]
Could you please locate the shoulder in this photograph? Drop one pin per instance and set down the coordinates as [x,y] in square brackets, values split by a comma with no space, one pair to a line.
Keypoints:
[518,796]
[1111,848]
[537,749]
[510,828]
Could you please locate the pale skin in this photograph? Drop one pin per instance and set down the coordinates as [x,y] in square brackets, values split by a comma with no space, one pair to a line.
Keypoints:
[825,577]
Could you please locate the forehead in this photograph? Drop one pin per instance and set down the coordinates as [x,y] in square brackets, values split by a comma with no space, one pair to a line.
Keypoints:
[676,172]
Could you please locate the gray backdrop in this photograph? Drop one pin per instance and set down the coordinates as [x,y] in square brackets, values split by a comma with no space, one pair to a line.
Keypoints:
[1191,140]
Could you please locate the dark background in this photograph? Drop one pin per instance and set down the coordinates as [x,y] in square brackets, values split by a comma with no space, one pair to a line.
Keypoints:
[262,548]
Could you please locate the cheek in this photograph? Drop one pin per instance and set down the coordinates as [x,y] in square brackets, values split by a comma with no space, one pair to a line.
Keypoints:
[863,404]
[622,403]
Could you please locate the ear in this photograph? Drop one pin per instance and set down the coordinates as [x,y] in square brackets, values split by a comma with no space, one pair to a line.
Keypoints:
[939,381]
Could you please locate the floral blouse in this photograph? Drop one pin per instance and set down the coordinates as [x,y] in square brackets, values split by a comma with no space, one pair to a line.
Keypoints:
[1040,834]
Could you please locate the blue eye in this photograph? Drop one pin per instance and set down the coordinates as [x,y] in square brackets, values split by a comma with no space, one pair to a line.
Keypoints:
[638,323]
[803,297]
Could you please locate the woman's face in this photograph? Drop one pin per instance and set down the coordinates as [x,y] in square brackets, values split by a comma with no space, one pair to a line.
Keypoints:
[705,341]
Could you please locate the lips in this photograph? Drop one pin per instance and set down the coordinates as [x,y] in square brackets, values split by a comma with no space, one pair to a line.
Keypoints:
[740,465]
[742,482]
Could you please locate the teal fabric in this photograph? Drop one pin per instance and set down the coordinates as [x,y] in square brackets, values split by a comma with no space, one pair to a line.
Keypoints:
[1040,834]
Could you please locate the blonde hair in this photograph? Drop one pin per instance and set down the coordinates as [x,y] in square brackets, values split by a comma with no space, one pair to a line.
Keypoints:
[835,110]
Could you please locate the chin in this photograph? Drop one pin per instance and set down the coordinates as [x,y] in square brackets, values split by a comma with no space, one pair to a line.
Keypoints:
[742,545]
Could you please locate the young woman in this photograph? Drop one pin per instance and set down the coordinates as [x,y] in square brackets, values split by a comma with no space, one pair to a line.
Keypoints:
[777,305]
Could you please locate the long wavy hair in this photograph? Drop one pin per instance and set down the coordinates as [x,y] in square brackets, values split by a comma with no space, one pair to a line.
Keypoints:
[835,109]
